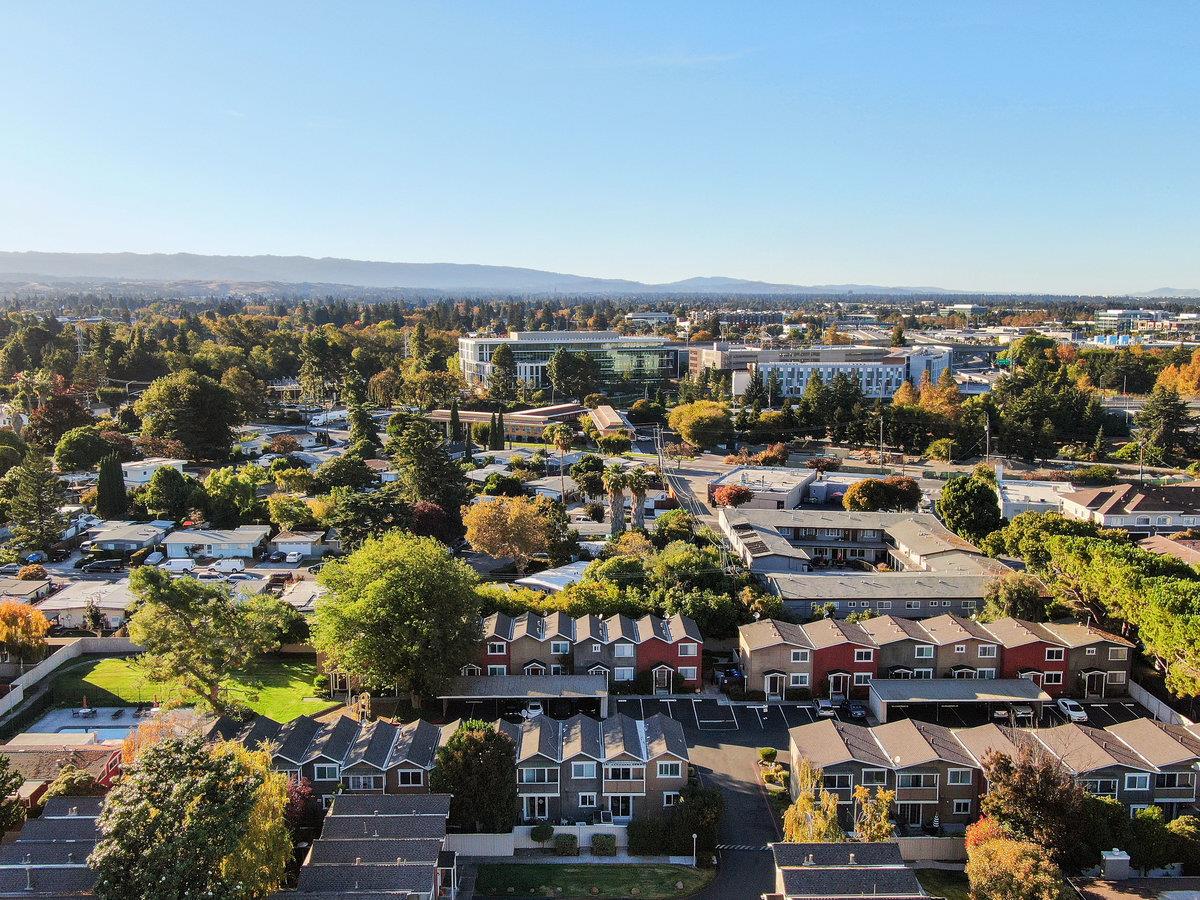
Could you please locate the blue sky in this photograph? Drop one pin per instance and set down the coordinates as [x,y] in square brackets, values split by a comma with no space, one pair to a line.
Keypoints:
[1002,146]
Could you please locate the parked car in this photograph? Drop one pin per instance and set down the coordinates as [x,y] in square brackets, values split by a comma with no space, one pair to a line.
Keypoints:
[532,709]
[276,556]
[37,556]
[826,709]
[1022,714]
[1001,714]
[1071,709]
[294,557]
[178,566]
[207,575]
[855,709]
[316,567]
[104,565]
[10,568]
[58,554]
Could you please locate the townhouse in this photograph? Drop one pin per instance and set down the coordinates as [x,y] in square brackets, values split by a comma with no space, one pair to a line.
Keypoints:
[830,656]
[1140,509]
[938,772]
[584,770]
[665,652]
[846,871]
[345,756]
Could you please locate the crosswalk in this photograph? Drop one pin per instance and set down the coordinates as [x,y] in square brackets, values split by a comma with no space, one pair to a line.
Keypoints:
[740,847]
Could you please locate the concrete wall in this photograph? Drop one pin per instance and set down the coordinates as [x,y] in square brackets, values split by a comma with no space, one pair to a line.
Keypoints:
[80,647]
[1156,707]
[508,844]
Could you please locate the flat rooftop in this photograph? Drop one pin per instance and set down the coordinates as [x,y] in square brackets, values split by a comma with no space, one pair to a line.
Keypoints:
[958,690]
[508,687]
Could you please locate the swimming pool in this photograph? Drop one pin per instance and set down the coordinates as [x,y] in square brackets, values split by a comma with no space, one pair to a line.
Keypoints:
[103,732]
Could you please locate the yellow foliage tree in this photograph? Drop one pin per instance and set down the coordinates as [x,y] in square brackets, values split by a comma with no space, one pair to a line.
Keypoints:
[905,395]
[508,526]
[873,821]
[261,857]
[1005,869]
[22,628]
[813,815]
[1184,378]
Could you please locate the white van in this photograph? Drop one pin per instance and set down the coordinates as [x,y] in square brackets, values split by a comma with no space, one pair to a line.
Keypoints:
[178,566]
[229,565]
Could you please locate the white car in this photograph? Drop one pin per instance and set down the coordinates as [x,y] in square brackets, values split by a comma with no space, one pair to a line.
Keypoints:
[826,709]
[532,709]
[293,557]
[1071,709]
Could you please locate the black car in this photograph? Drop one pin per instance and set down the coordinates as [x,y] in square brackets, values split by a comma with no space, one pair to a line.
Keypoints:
[854,709]
[104,565]
[276,556]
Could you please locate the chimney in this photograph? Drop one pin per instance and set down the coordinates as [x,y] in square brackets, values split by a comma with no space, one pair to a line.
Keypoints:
[358,860]
[853,861]
[70,858]
[810,860]
[73,811]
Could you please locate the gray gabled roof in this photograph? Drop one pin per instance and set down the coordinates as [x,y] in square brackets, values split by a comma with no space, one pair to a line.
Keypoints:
[416,743]
[621,736]
[581,737]
[333,741]
[865,854]
[357,828]
[851,881]
[394,851]
[372,745]
[390,805]
[664,735]
[295,737]
[351,879]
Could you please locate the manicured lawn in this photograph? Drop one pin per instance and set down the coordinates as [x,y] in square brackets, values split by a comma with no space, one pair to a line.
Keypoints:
[279,687]
[578,880]
[944,883]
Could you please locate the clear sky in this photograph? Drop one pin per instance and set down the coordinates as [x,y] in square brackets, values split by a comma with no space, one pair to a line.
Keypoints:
[1004,146]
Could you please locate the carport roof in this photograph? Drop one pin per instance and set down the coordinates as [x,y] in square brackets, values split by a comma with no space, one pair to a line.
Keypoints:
[958,690]
[520,687]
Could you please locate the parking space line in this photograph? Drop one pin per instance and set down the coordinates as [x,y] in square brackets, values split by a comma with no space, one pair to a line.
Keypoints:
[696,713]
[642,707]
[733,711]
[760,719]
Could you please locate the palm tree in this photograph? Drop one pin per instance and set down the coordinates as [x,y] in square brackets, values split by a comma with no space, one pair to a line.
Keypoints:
[561,436]
[639,481]
[614,483]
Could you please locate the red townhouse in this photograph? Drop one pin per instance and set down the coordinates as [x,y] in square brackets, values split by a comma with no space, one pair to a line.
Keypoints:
[844,658]
[670,649]
[1032,651]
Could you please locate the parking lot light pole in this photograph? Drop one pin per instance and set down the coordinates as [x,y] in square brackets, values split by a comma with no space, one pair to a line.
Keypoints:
[695,862]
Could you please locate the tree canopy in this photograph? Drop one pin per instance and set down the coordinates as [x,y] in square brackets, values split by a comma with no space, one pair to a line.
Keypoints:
[475,766]
[193,409]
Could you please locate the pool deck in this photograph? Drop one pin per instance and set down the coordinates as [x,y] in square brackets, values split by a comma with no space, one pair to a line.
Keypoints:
[56,720]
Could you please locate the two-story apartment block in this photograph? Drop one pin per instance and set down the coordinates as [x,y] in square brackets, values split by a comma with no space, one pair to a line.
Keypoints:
[939,772]
[830,656]
[583,770]
[1140,509]
[667,651]
[929,570]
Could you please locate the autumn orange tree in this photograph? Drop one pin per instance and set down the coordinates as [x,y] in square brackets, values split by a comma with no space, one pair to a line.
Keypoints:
[508,526]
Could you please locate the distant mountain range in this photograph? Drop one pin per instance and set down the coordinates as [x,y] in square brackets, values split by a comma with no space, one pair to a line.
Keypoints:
[30,268]
[175,267]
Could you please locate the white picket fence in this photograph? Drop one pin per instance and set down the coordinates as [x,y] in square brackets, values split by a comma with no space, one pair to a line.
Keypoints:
[24,685]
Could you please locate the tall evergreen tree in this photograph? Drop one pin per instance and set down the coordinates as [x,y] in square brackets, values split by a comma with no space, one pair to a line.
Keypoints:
[502,380]
[498,437]
[456,429]
[33,511]
[111,499]
[426,470]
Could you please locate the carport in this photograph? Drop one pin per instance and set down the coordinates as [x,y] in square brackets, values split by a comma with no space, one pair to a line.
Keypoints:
[574,688]
[934,694]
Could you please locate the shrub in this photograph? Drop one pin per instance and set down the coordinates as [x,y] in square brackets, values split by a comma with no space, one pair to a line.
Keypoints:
[647,836]
[604,844]
[732,495]
[542,832]
[321,682]
[32,572]
[767,754]
[566,845]
[1098,475]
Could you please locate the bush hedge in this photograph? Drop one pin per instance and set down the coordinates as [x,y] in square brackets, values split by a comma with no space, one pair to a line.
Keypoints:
[604,845]
[566,845]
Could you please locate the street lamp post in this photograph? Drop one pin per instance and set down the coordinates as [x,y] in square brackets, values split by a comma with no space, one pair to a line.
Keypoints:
[695,861]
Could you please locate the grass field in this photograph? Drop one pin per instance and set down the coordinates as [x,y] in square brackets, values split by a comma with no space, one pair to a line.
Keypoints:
[278,687]
[578,880]
[943,883]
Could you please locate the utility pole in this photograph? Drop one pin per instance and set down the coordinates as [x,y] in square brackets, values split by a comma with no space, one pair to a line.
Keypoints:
[881,443]
[987,438]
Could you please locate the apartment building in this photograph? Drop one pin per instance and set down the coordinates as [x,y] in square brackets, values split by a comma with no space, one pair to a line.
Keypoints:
[830,656]
[583,770]
[619,357]
[666,651]
[1140,509]
[930,570]
[879,371]
[938,772]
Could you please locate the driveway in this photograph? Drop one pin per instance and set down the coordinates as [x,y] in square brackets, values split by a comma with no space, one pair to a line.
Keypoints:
[727,758]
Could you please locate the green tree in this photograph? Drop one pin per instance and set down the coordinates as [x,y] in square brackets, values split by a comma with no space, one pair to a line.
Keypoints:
[73,782]
[456,430]
[173,494]
[560,436]
[348,470]
[639,480]
[290,512]
[589,475]
[475,766]
[502,377]
[400,611]
[1151,845]
[1026,536]
[192,409]
[232,495]
[1017,595]
[33,509]
[426,470]
[12,812]
[614,480]
[186,820]
[250,391]
[80,448]
[357,516]
[1034,798]
[197,634]
[969,507]
[111,499]
[572,374]
[1186,833]
[1165,422]
[703,423]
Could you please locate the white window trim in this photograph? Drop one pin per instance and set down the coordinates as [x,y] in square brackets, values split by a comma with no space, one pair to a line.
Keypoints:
[923,651]
[1118,653]
[618,676]
[862,679]
[688,649]
[687,673]
[987,651]
[863,655]
[554,644]
[1116,677]
[798,679]
[584,797]
[589,772]
[497,670]
[1055,654]
[492,645]
[799,656]
[1131,779]
[664,769]
[623,651]
[318,767]
[415,777]
[952,772]
[1052,678]
[962,807]
[670,798]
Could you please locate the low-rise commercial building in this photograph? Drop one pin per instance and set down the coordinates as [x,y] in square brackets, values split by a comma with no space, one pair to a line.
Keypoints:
[619,357]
